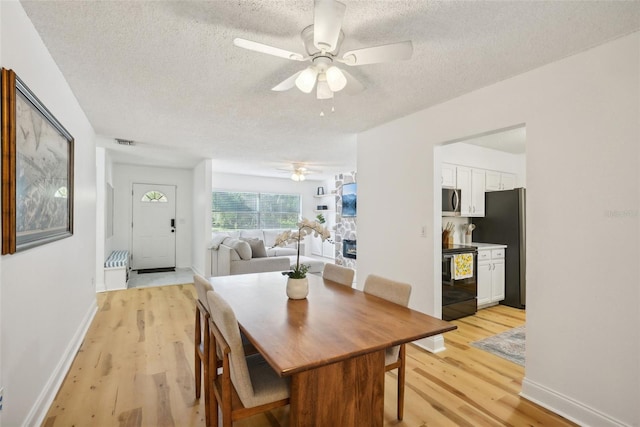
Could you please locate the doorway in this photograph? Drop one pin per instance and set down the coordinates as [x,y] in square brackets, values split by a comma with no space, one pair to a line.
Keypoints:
[485,169]
[153,232]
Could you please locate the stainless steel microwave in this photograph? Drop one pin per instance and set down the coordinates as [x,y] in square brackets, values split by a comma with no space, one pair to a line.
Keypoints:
[450,202]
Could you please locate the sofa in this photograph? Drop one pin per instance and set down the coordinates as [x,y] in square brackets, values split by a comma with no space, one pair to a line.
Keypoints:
[253,251]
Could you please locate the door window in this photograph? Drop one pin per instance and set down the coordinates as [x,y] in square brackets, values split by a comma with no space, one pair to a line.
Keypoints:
[154,196]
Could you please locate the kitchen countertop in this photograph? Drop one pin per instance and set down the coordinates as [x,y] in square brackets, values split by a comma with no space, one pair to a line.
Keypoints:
[481,246]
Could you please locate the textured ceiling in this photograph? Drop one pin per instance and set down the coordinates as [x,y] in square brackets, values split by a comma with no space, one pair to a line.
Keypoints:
[166,74]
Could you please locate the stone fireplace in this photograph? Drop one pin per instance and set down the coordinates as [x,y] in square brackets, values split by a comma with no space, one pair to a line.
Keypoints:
[345,229]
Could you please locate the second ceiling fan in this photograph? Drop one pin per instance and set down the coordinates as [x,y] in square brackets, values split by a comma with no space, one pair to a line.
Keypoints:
[322,41]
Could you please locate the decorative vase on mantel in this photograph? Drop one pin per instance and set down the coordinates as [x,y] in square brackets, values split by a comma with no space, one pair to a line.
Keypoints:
[297,288]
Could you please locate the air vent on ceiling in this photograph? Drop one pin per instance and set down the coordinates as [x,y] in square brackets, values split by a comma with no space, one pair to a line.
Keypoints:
[124,141]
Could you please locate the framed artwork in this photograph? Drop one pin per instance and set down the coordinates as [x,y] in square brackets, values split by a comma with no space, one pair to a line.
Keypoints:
[37,170]
[349,200]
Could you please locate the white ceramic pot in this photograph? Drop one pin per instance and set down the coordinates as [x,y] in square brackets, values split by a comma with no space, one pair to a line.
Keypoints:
[297,288]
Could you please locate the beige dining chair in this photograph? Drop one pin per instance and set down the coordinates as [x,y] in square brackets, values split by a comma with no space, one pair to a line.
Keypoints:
[201,338]
[338,274]
[247,385]
[397,293]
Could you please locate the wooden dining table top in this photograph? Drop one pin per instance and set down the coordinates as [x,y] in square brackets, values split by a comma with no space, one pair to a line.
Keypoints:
[334,323]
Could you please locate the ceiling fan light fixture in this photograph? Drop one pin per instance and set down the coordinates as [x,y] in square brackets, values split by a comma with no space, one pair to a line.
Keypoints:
[323,91]
[307,79]
[335,79]
[298,176]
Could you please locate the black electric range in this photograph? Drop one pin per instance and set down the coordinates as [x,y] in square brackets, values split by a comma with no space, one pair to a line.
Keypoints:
[459,295]
[458,249]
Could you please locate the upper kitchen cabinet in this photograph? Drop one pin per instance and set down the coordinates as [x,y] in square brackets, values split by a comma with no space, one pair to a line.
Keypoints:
[448,177]
[471,183]
[498,181]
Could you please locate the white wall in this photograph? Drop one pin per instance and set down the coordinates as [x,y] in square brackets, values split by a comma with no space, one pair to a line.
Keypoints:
[582,118]
[48,294]
[201,262]
[104,243]
[124,176]
[108,242]
[101,160]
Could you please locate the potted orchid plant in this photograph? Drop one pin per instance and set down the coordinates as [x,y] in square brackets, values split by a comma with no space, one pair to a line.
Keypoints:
[297,284]
[305,228]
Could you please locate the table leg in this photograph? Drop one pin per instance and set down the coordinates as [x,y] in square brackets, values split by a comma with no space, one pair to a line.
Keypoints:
[346,393]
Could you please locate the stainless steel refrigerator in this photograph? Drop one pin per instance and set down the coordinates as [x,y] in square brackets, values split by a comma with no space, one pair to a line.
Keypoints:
[504,222]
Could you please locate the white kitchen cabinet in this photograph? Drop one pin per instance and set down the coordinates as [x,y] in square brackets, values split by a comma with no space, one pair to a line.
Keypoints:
[477,192]
[490,275]
[497,279]
[448,177]
[484,282]
[498,181]
[471,183]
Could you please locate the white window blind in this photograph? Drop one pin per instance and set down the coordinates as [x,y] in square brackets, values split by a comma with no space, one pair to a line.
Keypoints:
[246,210]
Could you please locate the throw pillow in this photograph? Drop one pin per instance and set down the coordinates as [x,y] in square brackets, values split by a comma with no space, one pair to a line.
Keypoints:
[241,247]
[257,248]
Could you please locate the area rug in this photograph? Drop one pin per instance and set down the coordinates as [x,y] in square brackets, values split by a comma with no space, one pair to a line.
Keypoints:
[509,345]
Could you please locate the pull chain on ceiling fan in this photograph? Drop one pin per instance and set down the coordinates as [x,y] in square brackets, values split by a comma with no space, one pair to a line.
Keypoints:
[322,41]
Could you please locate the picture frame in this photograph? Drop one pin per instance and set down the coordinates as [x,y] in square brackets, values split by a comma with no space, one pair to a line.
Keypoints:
[37,170]
[349,200]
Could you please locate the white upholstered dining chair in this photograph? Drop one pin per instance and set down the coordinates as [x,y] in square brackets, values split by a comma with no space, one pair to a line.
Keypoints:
[338,274]
[247,385]
[398,293]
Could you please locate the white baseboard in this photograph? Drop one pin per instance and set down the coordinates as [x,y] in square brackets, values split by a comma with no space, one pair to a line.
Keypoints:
[434,344]
[41,406]
[567,407]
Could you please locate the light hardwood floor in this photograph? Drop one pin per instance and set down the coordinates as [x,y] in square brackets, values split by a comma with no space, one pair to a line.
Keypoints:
[135,368]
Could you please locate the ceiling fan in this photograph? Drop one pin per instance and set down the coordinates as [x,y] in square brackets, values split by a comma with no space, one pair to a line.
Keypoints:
[299,172]
[322,41]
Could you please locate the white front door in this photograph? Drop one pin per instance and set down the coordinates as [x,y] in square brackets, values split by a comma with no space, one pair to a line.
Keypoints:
[153,228]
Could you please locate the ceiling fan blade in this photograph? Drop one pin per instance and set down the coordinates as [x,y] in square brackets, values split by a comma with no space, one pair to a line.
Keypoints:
[269,50]
[327,21]
[385,53]
[286,84]
[353,85]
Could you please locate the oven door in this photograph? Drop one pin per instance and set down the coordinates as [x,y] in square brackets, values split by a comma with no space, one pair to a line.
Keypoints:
[459,297]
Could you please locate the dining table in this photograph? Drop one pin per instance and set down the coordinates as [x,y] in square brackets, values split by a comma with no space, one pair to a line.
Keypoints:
[331,344]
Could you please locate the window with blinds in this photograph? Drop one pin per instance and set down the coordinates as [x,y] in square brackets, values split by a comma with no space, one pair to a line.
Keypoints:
[232,210]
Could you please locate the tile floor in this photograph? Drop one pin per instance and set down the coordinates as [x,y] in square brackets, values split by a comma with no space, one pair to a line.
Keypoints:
[180,276]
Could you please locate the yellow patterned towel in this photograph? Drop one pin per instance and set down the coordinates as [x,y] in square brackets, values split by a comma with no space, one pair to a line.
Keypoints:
[462,266]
